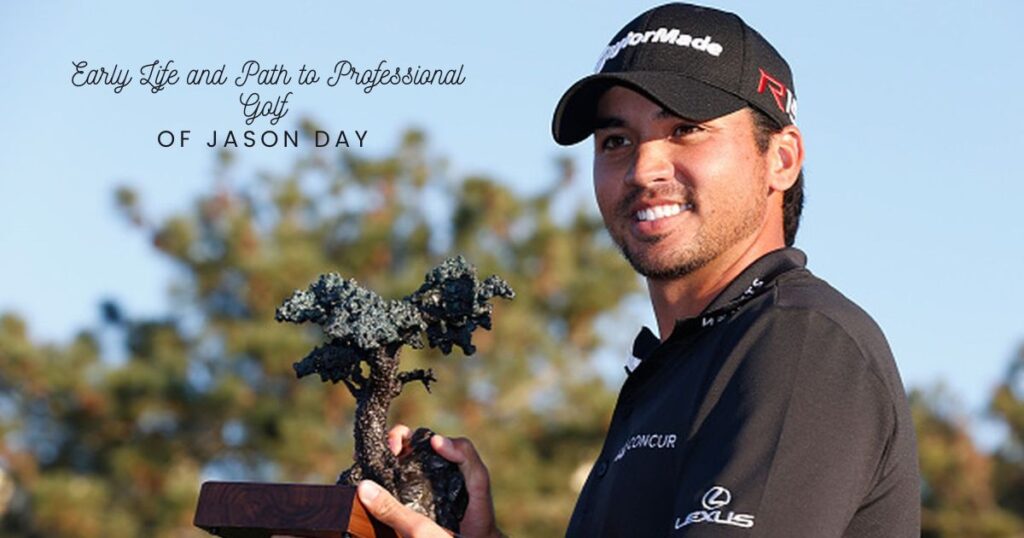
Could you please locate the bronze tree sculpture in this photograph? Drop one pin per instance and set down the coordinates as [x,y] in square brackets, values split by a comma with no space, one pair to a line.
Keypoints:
[365,334]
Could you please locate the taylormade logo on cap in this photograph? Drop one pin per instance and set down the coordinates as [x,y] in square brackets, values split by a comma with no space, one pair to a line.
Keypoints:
[675,36]
[698,63]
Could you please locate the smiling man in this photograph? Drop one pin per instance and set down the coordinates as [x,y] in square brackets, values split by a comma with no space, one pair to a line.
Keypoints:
[782,400]
[768,404]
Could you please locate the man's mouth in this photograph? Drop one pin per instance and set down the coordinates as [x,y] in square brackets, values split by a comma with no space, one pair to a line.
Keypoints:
[660,212]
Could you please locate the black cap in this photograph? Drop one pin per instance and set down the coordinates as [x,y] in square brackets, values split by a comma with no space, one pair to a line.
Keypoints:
[697,62]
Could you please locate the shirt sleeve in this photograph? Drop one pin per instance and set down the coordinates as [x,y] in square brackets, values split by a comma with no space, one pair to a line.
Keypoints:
[791,438]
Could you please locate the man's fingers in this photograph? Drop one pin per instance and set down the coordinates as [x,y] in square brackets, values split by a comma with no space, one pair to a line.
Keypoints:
[456,450]
[407,523]
[479,520]
[398,437]
[461,451]
[446,448]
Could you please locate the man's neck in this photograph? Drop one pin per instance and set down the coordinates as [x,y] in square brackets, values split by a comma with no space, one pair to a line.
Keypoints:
[689,295]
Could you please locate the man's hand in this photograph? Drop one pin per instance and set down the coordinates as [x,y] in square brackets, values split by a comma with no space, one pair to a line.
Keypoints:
[479,519]
[406,522]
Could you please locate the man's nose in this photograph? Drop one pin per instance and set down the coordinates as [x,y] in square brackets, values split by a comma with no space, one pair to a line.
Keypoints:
[652,164]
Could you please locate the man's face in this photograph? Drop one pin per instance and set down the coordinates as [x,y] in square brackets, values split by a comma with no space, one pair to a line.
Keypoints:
[675,194]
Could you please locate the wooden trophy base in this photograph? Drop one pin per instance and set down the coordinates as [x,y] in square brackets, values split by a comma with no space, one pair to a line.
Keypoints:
[262,510]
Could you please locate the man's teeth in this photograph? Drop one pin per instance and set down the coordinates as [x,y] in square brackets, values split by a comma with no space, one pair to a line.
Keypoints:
[660,212]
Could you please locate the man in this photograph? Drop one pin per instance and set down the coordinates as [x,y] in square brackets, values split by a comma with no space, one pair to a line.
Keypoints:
[770,404]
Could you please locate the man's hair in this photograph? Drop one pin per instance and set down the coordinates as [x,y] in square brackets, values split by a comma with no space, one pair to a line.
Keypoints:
[793,198]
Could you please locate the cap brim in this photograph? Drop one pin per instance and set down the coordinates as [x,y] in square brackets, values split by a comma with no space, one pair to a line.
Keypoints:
[683,96]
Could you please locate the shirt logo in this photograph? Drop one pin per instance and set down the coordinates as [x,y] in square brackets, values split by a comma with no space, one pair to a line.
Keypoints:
[710,321]
[716,497]
[672,36]
[714,501]
[647,440]
[784,97]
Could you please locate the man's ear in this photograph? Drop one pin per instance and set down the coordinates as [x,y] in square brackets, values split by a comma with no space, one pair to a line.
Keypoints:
[785,158]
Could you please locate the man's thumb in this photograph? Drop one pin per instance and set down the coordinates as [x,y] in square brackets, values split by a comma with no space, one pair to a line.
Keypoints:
[378,501]
[386,509]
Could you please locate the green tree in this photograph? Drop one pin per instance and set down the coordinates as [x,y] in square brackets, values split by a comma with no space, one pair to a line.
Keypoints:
[960,493]
[98,446]
[1008,406]
[968,492]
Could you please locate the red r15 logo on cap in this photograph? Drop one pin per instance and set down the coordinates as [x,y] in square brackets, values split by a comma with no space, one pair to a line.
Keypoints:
[784,98]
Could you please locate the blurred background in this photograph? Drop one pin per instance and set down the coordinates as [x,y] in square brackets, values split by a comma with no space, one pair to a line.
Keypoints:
[138,351]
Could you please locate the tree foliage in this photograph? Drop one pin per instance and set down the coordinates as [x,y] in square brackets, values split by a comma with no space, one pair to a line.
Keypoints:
[969,492]
[116,443]
[959,496]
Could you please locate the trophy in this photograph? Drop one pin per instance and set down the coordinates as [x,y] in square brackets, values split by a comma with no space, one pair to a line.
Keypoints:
[364,337]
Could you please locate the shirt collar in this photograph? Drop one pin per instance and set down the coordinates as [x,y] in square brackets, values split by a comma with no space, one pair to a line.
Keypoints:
[756,278]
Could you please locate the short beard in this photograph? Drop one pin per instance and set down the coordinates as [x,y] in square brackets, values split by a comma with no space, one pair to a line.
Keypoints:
[689,265]
[705,247]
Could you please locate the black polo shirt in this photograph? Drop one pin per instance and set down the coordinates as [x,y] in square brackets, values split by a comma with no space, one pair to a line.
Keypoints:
[776,413]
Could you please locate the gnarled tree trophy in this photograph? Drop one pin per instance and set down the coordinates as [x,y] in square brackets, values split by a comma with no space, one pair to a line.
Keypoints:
[365,334]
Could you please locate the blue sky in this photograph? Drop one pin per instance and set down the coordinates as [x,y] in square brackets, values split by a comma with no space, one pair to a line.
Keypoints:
[910,110]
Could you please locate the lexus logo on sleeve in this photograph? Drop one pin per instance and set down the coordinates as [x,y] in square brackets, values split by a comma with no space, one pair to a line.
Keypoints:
[714,501]
[716,498]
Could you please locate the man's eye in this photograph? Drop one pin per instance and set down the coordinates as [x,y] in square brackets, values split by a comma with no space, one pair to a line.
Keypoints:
[685,129]
[614,141]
